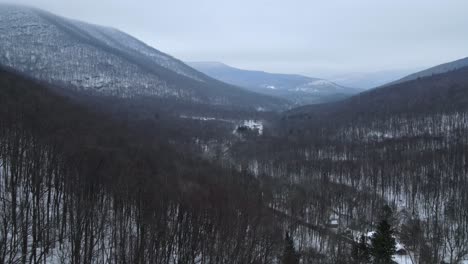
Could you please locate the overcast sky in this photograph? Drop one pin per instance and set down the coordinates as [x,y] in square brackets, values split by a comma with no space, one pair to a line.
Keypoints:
[291,36]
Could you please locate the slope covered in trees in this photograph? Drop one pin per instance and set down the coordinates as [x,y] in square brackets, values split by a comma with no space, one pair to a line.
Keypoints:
[106,61]
[443,68]
[434,94]
[77,186]
[404,145]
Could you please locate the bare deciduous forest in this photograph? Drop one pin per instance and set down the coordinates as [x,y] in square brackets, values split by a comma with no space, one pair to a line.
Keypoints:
[114,152]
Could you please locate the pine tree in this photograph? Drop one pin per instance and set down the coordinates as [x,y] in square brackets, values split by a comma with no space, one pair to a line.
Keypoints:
[383,244]
[290,256]
[361,251]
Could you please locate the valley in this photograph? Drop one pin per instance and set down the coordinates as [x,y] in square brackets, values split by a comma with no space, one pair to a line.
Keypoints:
[114,152]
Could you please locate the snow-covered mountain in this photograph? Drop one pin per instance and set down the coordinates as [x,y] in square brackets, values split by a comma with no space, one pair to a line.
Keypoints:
[107,61]
[298,88]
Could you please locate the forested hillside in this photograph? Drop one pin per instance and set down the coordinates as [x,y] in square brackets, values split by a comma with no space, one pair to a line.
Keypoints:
[80,187]
[403,145]
[105,61]
[443,68]
[441,93]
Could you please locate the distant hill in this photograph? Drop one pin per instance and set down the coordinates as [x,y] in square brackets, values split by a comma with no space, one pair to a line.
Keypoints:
[443,68]
[368,80]
[297,88]
[106,61]
[440,93]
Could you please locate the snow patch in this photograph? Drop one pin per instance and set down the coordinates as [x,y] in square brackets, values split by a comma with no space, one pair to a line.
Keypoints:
[250,125]
[254,125]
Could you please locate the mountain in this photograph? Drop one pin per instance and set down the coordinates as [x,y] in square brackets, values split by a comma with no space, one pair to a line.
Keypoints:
[368,80]
[297,88]
[439,93]
[406,143]
[106,61]
[443,68]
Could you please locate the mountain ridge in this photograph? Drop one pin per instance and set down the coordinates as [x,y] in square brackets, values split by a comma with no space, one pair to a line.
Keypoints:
[107,61]
[297,88]
[443,92]
[438,69]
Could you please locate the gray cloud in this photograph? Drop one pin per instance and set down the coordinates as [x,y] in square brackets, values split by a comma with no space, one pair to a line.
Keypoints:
[294,36]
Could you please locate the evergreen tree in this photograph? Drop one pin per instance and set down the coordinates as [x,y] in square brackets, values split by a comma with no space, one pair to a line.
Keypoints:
[386,212]
[290,256]
[361,251]
[383,244]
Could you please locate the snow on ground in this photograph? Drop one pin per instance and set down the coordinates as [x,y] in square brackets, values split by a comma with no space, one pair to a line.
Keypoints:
[379,135]
[316,86]
[254,125]
[206,118]
[250,124]
[202,118]
[402,259]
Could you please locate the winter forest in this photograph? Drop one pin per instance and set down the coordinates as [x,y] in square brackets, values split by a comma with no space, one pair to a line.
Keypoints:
[114,152]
